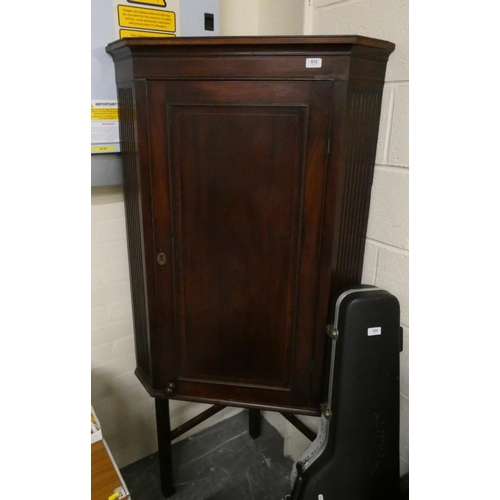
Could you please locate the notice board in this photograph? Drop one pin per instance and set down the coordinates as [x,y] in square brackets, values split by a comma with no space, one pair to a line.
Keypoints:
[114,19]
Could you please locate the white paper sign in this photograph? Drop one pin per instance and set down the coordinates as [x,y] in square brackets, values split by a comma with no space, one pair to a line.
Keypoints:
[314,62]
[374,331]
[105,134]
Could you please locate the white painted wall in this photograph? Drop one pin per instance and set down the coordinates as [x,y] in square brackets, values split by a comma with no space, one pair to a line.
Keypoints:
[261,17]
[239,18]
[280,17]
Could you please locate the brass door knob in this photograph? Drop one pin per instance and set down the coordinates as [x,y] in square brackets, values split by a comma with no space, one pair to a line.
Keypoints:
[161,258]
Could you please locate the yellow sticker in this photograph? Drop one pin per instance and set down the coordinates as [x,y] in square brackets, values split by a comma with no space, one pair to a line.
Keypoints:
[97,149]
[149,19]
[136,34]
[159,3]
[103,114]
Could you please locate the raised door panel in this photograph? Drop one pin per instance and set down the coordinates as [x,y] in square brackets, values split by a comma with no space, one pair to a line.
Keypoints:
[237,211]
[238,172]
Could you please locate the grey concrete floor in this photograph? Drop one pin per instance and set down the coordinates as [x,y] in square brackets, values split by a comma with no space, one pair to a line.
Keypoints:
[220,463]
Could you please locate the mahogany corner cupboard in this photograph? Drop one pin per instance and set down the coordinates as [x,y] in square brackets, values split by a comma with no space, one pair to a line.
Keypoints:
[247,167]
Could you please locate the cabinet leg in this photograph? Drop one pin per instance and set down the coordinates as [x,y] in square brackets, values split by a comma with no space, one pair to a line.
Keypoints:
[254,423]
[164,446]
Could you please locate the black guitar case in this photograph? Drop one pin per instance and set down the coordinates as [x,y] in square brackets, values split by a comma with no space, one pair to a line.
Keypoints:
[356,453]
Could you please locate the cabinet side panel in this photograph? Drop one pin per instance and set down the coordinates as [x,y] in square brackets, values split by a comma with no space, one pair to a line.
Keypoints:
[354,129]
[356,149]
[133,222]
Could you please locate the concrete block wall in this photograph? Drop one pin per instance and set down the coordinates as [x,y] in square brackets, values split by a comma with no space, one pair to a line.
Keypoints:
[387,248]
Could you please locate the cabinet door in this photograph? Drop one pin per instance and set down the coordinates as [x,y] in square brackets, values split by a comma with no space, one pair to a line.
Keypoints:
[238,171]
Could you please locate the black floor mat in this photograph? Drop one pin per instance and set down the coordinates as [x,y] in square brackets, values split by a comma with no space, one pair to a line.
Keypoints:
[220,463]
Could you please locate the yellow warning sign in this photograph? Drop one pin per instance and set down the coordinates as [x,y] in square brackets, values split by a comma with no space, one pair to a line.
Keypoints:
[149,19]
[159,3]
[103,114]
[136,34]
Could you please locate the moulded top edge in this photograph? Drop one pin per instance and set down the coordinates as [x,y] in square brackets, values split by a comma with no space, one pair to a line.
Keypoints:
[228,41]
